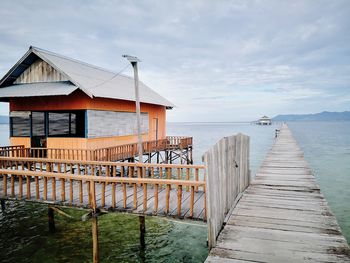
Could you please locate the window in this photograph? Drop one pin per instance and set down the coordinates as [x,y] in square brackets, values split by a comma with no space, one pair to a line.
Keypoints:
[66,124]
[20,123]
[58,124]
[47,124]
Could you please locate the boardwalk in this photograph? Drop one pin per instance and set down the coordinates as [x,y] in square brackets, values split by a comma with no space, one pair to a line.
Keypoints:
[282,216]
[132,206]
[147,189]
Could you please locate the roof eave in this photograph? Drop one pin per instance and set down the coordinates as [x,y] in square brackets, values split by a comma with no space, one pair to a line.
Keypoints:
[20,61]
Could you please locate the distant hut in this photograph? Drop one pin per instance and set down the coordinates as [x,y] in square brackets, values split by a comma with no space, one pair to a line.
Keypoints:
[59,102]
[264,121]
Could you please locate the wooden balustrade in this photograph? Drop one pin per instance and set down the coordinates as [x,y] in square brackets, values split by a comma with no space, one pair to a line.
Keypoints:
[15,151]
[114,153]
[65,188]
[181,142]
[108,169]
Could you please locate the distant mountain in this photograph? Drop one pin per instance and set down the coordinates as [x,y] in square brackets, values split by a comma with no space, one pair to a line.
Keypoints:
[322,116]
[4,119]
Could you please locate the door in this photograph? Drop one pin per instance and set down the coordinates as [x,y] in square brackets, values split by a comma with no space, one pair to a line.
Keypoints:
[38,134]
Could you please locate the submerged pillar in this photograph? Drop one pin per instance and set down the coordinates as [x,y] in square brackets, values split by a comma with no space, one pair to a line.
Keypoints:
[51,217]
[95,248]
[3,205]
[142,238]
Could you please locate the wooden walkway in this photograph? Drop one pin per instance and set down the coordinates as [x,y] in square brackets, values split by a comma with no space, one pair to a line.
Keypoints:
[132,206]
[147,189]
[282,216]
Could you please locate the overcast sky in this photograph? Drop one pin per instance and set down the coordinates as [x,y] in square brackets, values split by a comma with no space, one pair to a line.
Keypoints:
[215,60]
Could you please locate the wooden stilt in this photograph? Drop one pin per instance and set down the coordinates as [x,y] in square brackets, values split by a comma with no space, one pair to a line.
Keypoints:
[95,248]
[51,217]
[3,206]
[142,238]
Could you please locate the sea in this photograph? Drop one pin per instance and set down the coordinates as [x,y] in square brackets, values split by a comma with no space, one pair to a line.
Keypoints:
[25,237]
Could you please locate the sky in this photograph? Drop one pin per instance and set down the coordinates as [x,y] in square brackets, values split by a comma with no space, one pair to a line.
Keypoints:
[215,60]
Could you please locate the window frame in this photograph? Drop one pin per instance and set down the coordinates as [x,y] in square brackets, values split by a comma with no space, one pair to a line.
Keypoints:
[79,125]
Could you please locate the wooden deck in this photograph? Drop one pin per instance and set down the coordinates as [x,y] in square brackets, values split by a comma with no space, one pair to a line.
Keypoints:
[282,216]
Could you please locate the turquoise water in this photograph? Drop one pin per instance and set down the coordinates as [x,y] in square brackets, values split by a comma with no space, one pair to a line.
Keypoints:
[326,147]
[24,235]
[24,228]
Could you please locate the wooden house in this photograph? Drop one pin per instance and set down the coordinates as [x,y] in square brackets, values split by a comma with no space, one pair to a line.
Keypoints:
[264,121]
[59,102]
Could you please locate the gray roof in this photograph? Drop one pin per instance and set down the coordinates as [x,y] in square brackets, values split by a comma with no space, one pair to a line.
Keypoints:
[38,89]
[94,81]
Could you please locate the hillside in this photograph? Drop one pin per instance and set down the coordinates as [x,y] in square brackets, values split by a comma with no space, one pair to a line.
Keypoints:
[322,116]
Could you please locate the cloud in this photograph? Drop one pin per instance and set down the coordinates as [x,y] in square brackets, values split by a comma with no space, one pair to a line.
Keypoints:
[227,60]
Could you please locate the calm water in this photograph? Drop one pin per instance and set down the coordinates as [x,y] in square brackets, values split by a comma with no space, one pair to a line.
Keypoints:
[24,235]
[326,147]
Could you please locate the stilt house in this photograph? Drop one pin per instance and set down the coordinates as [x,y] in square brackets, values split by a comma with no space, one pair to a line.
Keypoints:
[59,102]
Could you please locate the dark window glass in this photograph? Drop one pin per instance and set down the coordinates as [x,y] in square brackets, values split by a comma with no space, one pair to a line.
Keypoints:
[73,123]
[38,123]
[58,124]
[66,124]
[20,126]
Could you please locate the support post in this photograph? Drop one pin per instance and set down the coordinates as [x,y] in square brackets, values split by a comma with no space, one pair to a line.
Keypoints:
[142,238]
[51,217]
[95,248]
[133,61]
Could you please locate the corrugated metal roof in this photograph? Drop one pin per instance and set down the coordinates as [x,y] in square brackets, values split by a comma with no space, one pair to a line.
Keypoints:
[37,89]
[95,81]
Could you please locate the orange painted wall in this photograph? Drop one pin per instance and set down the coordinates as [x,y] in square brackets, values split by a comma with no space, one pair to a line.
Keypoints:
[80,101]
[20,141]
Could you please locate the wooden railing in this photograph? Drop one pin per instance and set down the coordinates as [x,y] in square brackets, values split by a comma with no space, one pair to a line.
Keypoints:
[179,141]
[22,171]
[114,153]
[14,151]
[109,169]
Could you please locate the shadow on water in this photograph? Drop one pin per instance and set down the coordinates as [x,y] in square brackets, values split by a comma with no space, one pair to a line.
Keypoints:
[27,236]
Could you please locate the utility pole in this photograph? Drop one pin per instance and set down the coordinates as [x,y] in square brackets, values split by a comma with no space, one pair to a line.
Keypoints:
[133,61]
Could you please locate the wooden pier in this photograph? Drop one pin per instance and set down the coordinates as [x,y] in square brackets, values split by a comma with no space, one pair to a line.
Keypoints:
[145,189]
[282,216]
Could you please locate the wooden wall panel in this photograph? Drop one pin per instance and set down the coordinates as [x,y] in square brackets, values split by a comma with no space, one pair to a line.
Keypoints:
[67,143]
[40,71]
[20,141]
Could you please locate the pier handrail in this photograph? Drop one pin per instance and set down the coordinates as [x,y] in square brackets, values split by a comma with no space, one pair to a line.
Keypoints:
[62,161]
[109,169]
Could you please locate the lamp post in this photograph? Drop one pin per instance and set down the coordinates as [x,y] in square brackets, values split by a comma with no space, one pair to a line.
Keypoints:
[133,61]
